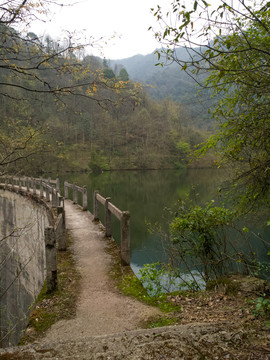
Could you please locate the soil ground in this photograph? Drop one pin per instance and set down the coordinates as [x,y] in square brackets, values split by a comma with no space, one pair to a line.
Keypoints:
[217,324]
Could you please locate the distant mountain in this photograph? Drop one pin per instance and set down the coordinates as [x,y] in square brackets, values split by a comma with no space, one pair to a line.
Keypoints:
[138,66]
[168,82]
[141,67]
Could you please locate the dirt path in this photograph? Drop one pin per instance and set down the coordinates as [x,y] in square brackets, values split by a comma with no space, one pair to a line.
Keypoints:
[101,308]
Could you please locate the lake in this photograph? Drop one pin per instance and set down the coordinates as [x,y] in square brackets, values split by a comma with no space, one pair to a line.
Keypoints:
[145,194]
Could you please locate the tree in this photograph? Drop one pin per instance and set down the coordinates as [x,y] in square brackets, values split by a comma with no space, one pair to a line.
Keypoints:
[231,43]
[108,73]
[33,70]
[123,75]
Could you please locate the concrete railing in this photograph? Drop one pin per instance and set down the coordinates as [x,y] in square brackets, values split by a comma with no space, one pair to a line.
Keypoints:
[55,239]
[37,186]
[75,189]
[123,216]
[48,191]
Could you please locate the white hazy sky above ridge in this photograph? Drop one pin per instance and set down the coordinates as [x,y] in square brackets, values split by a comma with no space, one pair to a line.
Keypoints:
[124,22]
[127,20]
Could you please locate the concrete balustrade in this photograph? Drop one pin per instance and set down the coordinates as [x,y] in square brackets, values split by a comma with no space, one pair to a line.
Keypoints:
[48,190]
[36,187]
[54,235]
[75,189]
[123,216]
[51,259]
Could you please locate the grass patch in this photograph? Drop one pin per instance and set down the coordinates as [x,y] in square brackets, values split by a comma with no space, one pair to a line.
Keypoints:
[162,321]
[128,283]
[58,305]
[41,320]
[131,286]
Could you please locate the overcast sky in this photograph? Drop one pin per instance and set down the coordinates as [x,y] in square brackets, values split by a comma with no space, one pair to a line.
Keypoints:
[129,20]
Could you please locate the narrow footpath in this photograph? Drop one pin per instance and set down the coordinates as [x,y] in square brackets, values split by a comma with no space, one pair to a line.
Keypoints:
[101,308]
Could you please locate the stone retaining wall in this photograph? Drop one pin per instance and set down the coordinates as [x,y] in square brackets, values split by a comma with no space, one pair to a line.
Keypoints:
[22,261]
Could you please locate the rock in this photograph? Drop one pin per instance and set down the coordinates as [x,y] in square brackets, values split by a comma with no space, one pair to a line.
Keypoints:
[251,285]
[190,342]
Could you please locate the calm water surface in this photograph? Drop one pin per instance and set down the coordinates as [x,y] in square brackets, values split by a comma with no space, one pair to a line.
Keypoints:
[146,194]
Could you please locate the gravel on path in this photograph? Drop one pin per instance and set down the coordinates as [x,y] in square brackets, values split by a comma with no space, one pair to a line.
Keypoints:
[101,308]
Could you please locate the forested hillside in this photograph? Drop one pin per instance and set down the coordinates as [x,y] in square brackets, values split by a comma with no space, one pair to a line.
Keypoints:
[62,110]
[168,81]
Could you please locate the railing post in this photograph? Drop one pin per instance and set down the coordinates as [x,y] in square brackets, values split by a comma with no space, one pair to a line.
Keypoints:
[95,202]
[61,238]
[34,186]
[41,188]
[84,198]
[27,184]
[61,201]
[108,219]
[57,186]
[125,238]
[66,190]
[61,210]
[75,194]
[54,197]
[57,198]
[20,184]
[47,193]
[57,202]
[51,261]
[12,183]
